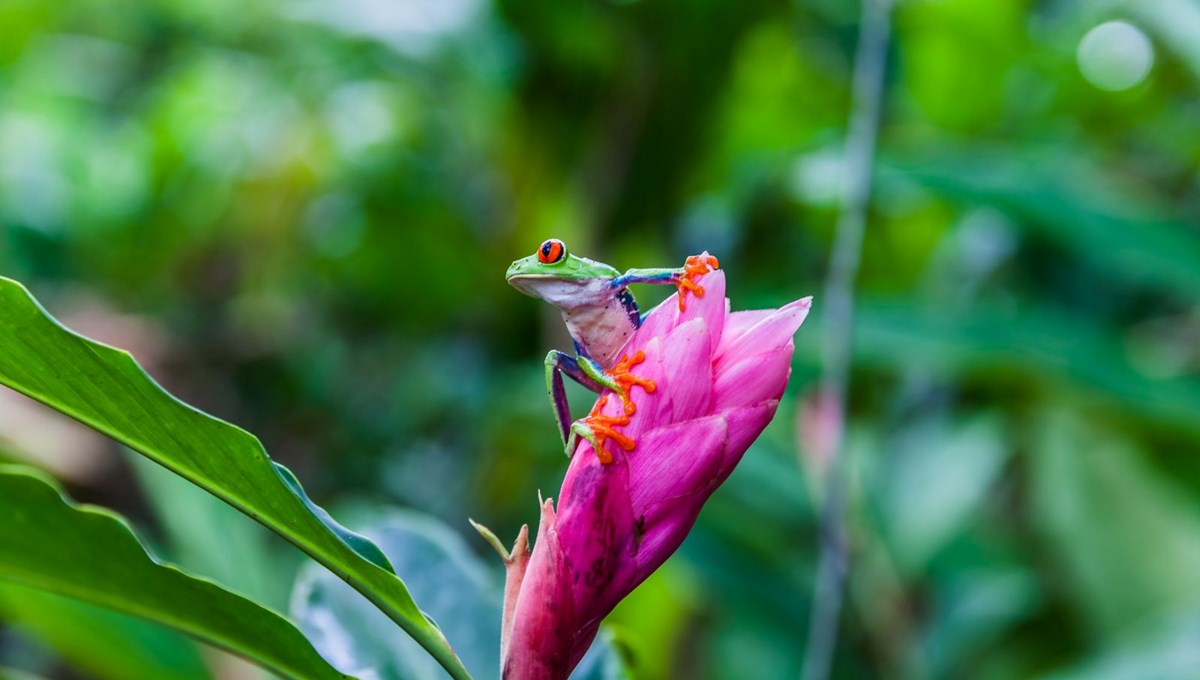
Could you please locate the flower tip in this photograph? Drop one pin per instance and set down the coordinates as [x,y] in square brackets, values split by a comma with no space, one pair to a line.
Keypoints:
[547,506]
[548,516]
[797,311]
[521,545]
[801,306]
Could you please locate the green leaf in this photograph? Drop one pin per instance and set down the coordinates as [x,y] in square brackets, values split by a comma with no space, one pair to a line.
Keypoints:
[360,544]
[1039,342]
[1122,532]
[91,554]
[440,569]
[107,390]
[208,538]
[971,610]
[1065,199]
[1166,648]
[461,591]
[604,661]
[918,518]
[14,674]
[655,620]
[99,642]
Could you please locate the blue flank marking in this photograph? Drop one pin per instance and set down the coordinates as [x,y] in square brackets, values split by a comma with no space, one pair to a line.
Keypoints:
[631,307]
[579,350]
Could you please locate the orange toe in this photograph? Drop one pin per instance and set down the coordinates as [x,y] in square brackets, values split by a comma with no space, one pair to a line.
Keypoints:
[694,267]
[605,427]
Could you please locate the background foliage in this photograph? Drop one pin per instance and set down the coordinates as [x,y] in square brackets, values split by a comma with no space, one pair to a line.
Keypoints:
[297,215]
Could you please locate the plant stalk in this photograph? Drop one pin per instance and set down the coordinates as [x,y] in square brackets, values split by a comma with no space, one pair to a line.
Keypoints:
[870,65]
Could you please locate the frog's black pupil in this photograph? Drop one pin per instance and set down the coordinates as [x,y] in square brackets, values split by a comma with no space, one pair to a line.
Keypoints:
[552,251]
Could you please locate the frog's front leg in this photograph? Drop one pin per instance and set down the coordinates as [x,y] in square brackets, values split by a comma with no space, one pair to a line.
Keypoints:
[651,276]
[682,278]
[558,363]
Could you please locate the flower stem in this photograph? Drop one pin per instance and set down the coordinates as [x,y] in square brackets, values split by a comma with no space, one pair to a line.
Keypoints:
[870,64]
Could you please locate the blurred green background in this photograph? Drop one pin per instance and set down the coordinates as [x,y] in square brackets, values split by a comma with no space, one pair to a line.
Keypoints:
[298,215]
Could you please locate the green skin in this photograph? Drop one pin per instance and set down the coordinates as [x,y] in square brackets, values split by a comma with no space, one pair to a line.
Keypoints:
[600,314]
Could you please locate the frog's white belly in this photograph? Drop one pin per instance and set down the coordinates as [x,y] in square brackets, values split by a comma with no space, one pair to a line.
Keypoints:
[601,330]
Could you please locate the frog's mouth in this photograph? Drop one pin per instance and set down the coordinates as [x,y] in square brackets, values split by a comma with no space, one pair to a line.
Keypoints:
[530,284]
[552,289]
[520,280]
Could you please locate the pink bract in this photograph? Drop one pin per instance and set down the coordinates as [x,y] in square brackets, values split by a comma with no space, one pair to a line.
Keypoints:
[719,378]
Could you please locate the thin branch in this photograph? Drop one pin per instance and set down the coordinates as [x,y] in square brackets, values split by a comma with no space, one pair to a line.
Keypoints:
[870,64]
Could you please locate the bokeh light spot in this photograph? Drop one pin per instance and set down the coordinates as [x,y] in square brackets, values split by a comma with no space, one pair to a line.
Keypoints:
[1115,55]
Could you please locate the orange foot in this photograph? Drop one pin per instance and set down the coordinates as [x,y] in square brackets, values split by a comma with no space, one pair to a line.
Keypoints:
[621,375]
[694,267]
[601,427]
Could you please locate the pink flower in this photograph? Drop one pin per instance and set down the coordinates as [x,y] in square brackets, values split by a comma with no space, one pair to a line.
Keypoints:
[718,378]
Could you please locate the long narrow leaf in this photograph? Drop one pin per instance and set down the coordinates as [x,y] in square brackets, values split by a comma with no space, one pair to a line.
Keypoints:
[14,674]
[91,554]
[1039,341]
[107,390]
[1061,201]
[99,642]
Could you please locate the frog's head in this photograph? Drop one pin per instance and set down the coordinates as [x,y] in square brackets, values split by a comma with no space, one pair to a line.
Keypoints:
[558,277]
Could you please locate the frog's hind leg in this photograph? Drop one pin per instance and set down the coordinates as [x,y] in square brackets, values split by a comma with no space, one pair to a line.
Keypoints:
[558,363]
[598,427]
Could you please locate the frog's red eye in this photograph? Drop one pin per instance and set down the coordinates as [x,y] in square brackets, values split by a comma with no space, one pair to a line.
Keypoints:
[551,251]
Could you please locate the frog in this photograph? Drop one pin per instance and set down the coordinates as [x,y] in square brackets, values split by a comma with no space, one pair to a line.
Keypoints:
[601,315]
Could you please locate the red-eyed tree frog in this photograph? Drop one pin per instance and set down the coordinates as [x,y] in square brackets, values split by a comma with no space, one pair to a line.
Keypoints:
[601,315]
